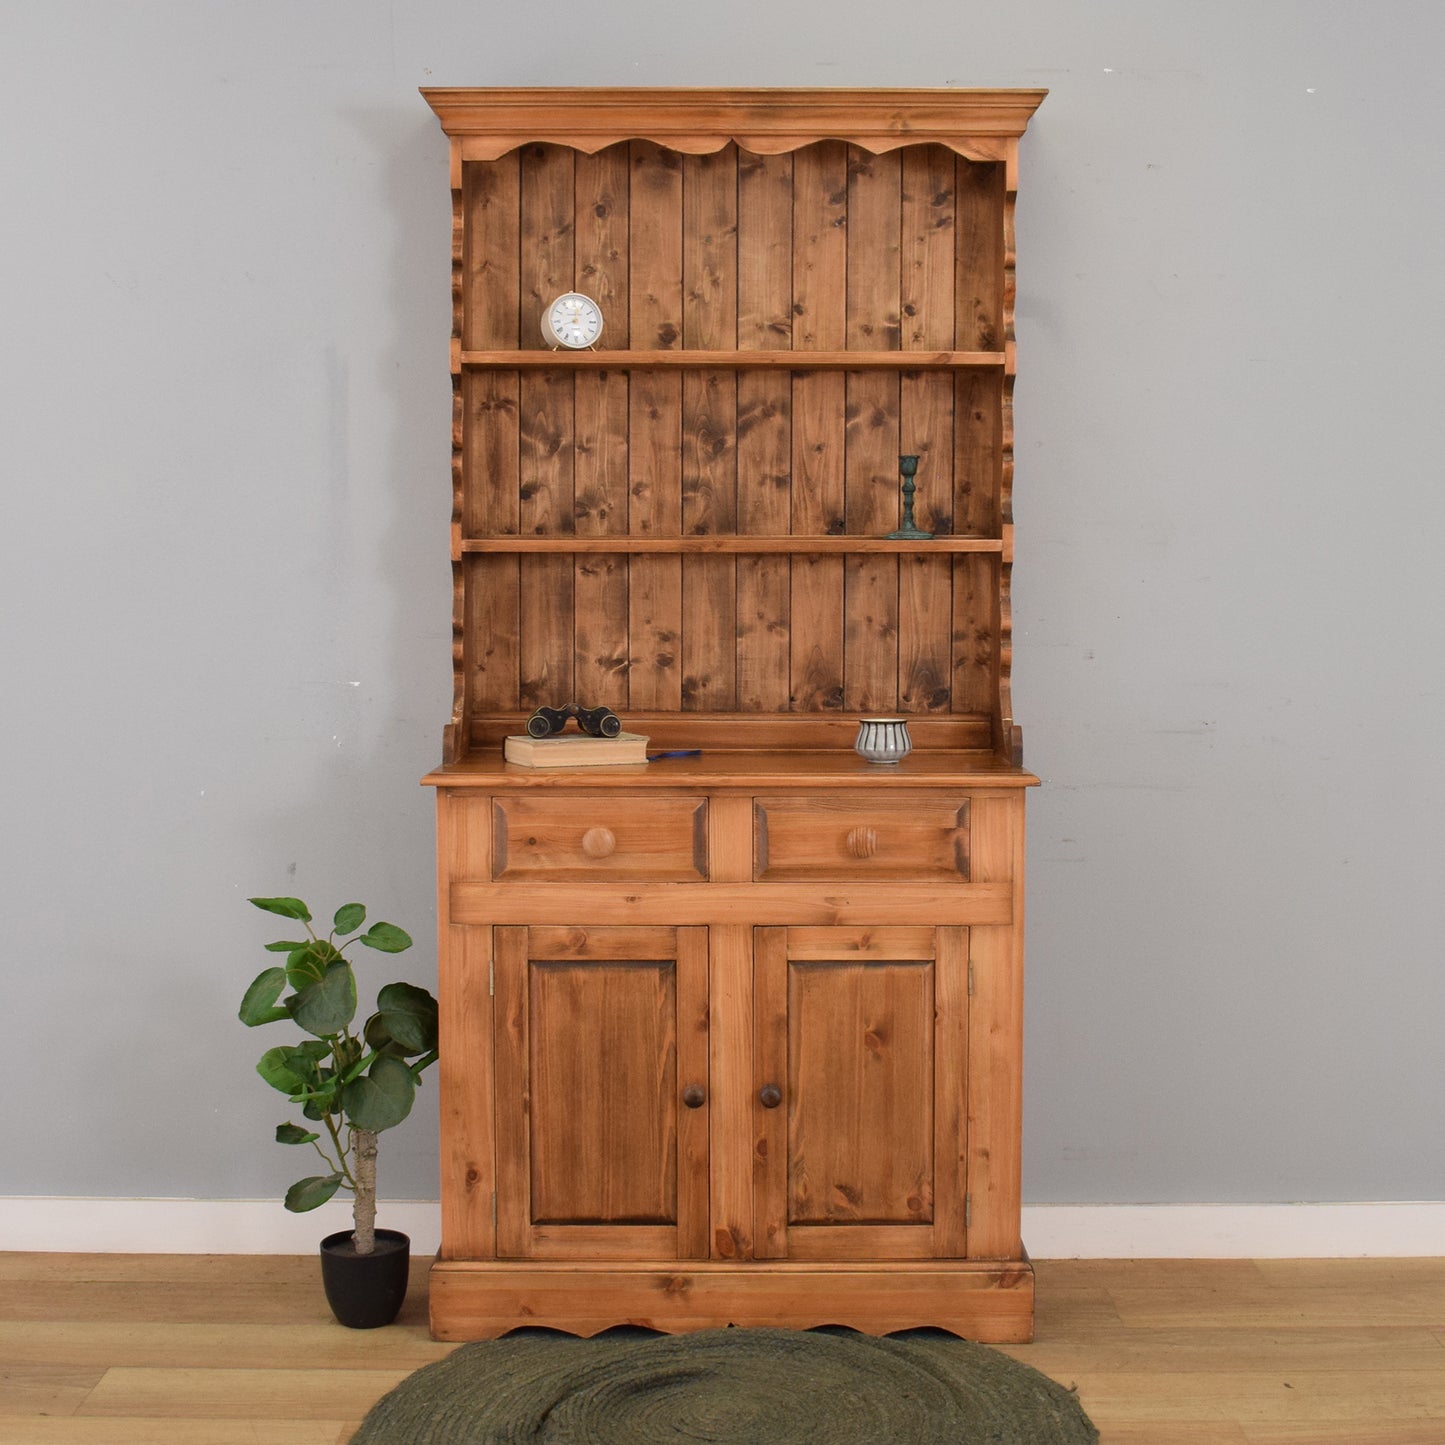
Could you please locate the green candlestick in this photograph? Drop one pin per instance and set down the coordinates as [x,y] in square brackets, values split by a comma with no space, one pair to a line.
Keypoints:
[909,531]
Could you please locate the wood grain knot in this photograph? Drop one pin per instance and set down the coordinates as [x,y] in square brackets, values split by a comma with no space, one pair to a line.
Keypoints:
[599,843]
[862,842]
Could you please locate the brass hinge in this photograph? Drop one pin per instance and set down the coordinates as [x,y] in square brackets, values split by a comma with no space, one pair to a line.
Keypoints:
[967,1209]
[494,1210]
[492,977]
[970,978]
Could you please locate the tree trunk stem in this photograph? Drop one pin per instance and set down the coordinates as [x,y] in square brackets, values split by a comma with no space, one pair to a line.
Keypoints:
[364,1211]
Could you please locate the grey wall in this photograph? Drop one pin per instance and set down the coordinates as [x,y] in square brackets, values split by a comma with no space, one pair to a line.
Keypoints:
[224,600]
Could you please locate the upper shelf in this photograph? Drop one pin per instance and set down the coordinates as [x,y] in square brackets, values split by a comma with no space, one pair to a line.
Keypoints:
[736,360]
[732,542]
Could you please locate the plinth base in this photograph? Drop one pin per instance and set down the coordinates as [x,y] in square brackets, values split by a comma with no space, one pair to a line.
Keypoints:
[991,1301]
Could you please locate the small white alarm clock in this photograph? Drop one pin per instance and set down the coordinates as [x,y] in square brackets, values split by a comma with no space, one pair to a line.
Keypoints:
[572,320]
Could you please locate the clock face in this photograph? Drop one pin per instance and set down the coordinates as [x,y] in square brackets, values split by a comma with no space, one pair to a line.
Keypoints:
[572,320]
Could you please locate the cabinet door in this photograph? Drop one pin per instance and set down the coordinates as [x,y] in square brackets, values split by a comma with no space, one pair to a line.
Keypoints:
[860,1101]
[602,1111]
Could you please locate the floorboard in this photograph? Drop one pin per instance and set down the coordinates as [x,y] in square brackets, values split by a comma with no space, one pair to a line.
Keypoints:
[237,1350]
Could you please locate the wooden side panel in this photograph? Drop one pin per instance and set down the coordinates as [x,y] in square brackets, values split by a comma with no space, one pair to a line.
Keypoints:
[490,319]
[600,505]
[493,627]
[980,266]
[709,428]
[510,1053]
[925,634]
[547,427]
[978,423]
[488,440]
[820,323]
[950,1095]
[764,429]
[603,238]
[655,427]
[995,1032]
[929,232]
[872,481]
[491,404]
[925,426]
[975,633]
[465,1026]
[599,636]
[490,254]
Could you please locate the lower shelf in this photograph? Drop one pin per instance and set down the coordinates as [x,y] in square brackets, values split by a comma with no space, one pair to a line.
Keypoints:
[991,1301]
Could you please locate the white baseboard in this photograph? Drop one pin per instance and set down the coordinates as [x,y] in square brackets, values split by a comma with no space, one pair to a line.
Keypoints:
[1050,1231]
[196,1226]
[1233,1231]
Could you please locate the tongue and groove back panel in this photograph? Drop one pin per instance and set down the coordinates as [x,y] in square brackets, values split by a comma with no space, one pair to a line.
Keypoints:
[672,619]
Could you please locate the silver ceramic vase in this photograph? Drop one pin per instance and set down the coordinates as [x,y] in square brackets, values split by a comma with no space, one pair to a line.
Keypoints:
[883,739]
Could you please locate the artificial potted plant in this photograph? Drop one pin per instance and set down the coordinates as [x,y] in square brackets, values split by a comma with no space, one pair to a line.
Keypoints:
[353,1083]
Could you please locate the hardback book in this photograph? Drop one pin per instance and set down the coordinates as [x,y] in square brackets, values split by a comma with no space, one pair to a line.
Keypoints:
[575,750]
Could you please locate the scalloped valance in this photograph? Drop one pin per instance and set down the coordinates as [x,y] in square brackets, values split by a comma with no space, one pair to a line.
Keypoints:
[976,124]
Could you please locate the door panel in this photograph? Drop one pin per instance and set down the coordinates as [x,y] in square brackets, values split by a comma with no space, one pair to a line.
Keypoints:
[860,1072]
[860,1092]
[601,1051]
[603,1060]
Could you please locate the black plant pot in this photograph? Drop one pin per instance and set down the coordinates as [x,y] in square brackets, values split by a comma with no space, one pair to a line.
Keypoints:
[365,1290]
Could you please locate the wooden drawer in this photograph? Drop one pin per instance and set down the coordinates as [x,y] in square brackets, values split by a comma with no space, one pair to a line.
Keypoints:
[910,837]
[565,839]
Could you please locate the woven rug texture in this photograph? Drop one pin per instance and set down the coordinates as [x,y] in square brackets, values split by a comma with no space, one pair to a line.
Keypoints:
[727,1387]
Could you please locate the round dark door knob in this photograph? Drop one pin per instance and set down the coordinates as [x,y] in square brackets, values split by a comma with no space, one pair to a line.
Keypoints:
[693,1096]
[770,1096]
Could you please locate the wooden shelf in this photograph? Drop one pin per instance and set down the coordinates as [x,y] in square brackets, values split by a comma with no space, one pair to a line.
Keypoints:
[727,543]
[696,360]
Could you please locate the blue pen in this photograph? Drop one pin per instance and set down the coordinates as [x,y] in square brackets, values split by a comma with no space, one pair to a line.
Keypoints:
[676,753]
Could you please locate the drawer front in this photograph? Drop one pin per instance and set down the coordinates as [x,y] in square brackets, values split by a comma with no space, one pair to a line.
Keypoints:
[576,839]
[907,838]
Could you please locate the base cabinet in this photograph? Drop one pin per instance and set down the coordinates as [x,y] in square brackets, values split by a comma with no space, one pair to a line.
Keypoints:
[665,1102]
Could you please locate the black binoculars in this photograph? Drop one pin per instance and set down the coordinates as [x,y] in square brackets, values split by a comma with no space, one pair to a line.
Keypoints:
[597,722]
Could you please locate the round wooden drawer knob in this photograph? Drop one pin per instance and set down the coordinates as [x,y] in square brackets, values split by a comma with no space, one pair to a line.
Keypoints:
[770,1096]
[599,843]
[862,842]
[693,1096]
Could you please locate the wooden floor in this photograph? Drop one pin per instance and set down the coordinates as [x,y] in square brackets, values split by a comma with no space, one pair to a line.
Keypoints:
[220,1350]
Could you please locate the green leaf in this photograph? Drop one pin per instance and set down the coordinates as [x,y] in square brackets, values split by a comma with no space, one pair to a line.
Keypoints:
[310,1193]
[285,946]
[387,937]
[328,1005]
[349,917]
[294,1134]
[308,963]
[377,1038]
[286,907]
[382,1097]
[409,1015]
[292,1068]
[259,1004]
[276,1067]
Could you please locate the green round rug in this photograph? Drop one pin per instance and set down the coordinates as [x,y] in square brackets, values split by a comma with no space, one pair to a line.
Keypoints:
[728,1387]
